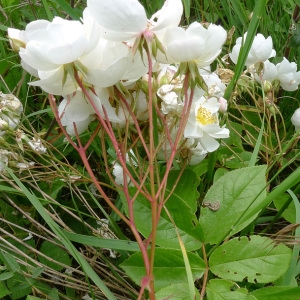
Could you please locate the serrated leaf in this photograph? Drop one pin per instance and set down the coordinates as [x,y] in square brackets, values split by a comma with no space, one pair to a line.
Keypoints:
[182,207]
[3,291]
[20,286]
[169,267]
[56,254]
[176,292]
[221,289]
[256,259]
[53,294]
[237,193]
[9,261]
[277,293]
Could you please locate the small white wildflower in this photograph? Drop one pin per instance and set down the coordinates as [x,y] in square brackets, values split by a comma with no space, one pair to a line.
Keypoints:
[30,236]
[86,297]
[93,189]
[104,230]
[10,112]
[69,271]
[72,178]
[112,253]
[37,146]
[5,156]
[24,166]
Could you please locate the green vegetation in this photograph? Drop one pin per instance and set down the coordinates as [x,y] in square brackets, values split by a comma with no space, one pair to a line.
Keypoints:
[228,226]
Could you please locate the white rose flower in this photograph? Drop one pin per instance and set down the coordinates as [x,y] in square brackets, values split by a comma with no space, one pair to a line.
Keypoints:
[197,154]
[106,63]
[285,72]
[260,51]
[52,44]
[118,169]
[170,102]
[77,109]
[215,86]
[288,76]
[269,73]
[296,119]
[196,43]
[125,20]
[203,124]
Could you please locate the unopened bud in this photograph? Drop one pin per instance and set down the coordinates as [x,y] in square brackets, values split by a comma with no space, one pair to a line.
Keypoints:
[267,86]
[14,39]
[223,105]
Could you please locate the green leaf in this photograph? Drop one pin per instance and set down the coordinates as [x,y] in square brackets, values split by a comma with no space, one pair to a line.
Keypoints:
[9,261]
[176,292]
[65,6]
[182,207]
[3,290]
[57,255]
[237,193]
[277,293]
[200,168]
[169,267]
[53,294]
[33,298]
[236,132]
[37,272]
[221,289]
[256,259]
[290,212]
[20,286]
[6,275]
[102,242]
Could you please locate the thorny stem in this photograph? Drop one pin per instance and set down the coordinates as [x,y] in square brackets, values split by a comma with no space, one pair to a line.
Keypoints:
[153,196]
[106,125]
[137,127]
[152,153]
[82,152]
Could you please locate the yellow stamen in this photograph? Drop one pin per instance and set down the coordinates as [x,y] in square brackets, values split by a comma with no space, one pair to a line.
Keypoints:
[205,117]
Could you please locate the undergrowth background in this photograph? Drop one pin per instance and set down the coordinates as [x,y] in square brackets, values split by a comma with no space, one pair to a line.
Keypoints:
[32,261]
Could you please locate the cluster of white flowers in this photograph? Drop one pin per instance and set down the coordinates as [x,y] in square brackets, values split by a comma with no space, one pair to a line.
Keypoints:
[283,74]
[12,159]
[271,76]
[100,51]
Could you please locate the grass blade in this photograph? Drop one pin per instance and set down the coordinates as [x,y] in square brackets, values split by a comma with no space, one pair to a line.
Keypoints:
[63,238]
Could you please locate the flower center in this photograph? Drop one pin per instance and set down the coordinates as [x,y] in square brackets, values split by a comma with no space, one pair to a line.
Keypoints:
[205,117]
